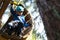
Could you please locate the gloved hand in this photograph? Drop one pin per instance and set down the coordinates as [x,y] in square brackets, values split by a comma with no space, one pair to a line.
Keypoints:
[11,2]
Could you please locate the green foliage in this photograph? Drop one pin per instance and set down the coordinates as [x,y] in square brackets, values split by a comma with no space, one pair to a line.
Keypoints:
[34,35]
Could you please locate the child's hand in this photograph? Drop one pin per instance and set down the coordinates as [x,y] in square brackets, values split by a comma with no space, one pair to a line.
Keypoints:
[11,2]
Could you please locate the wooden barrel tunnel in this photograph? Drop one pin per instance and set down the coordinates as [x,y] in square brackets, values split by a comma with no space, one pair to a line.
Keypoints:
[27,18]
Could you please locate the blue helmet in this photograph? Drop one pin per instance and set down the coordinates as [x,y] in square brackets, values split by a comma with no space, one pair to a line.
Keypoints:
[20,8]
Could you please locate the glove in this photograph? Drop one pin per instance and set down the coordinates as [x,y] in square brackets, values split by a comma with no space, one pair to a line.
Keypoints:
[11,2]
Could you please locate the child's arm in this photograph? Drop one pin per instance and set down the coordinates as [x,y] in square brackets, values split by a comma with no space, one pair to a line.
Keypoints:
[11,10]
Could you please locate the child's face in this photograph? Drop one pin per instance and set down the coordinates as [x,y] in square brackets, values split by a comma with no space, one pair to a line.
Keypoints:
[19,13]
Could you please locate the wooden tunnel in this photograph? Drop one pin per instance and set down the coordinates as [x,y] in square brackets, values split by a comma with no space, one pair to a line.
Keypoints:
[4,36]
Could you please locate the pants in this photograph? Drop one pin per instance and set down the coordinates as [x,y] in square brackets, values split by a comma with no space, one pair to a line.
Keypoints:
[10,29]
[16,29]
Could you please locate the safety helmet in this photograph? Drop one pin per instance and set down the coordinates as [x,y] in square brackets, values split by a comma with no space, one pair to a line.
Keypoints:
[19,8]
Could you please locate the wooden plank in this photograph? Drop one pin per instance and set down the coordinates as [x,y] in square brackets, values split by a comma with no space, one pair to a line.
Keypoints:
[3,6]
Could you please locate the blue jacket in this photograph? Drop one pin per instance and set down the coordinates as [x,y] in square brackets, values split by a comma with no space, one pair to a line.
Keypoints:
[22,18]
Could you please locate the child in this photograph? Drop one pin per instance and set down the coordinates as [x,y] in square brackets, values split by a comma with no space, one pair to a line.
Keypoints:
[18,21]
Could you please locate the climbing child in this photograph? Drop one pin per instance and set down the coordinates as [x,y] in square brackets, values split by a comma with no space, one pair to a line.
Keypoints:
[18,22]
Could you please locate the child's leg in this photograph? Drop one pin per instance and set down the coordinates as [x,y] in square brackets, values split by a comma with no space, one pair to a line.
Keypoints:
[9,29]
[18,28]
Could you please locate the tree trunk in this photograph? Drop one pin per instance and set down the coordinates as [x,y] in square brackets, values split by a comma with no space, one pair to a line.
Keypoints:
[49,11]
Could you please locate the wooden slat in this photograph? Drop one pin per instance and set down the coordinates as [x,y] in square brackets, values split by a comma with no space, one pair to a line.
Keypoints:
[4,6]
